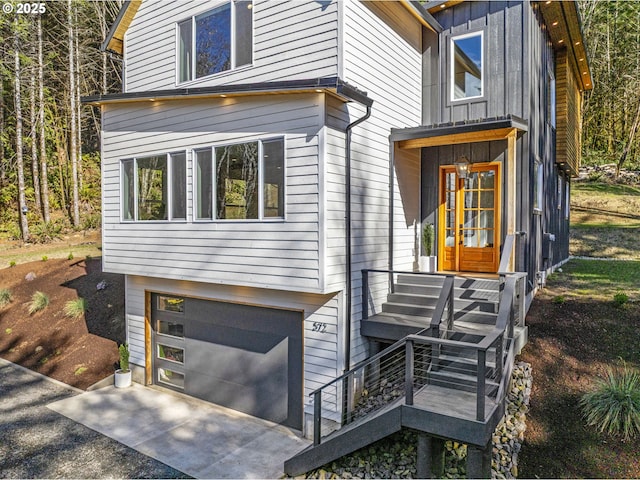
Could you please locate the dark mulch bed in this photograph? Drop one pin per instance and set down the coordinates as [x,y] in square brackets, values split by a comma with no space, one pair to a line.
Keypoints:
[76,351]
[572,341]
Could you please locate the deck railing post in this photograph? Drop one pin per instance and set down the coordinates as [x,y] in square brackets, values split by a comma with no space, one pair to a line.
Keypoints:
[482,371]
[451,306]
[499,353]
[365,294]
[317,417]
[408,376]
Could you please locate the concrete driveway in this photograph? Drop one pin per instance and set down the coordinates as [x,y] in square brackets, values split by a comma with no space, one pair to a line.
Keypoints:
[195,437]
[36,442]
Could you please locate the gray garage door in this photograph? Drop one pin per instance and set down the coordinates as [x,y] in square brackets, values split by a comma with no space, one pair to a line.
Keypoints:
[243,357]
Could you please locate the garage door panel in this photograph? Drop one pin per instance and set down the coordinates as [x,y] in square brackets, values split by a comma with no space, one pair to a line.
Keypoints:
[256,400]
[233,363]
[244,357]
[249,340]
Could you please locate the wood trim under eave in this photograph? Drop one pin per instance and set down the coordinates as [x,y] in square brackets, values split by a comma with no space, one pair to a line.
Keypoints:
[458,138]
[116,42]
[511,193]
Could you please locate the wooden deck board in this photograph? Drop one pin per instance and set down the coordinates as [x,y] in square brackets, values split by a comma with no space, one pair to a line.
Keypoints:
[454,403]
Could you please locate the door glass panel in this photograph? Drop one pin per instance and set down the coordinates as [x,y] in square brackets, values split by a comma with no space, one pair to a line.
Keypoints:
[171,353]
[486,219]
[171,377]
[485,238]
[171,304]
[450,241]
[470,238]
[450,220]
[471,182]
[450,181]
[470,218]
[170,328]
[486,199]
[487,179]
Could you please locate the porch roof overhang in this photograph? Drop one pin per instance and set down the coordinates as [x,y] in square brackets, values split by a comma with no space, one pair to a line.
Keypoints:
[332,85]
[485,130]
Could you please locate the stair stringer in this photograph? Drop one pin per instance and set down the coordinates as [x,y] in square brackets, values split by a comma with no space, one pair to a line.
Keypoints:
[347,440]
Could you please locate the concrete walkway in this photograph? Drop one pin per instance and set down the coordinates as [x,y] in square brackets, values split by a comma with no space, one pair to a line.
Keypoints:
[198,438]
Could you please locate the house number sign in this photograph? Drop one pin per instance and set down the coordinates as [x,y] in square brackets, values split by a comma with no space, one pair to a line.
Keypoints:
[319,327]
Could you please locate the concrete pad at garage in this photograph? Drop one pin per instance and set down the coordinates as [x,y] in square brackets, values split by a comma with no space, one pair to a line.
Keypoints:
[198,438]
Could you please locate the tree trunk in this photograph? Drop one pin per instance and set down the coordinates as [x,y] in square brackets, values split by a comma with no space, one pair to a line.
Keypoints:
[627,147]
[44,184]
[22,200]
[75,210]
[3,170]
[35,170]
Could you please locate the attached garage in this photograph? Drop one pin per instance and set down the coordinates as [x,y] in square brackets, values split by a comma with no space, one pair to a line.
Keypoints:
[245,357]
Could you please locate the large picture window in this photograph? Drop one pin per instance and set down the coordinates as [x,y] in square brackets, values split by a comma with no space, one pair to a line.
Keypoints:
[240,181]
[215,41]
[154,187]
[467,74]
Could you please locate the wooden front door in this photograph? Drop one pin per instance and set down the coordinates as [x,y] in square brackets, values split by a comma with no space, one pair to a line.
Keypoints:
[469,227]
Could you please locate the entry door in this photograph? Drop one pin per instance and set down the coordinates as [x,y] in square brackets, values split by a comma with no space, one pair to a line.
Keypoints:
[469,237]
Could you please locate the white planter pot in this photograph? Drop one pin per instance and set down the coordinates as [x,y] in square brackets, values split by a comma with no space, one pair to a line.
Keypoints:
[428,264]
[122,378]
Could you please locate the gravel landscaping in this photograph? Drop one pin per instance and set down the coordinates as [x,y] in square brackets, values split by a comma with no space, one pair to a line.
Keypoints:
[36,442]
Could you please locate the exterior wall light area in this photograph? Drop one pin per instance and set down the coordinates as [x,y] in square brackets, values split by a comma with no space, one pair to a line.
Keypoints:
[463,166]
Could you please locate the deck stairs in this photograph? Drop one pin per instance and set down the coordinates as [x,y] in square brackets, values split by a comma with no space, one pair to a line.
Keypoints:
[411,305]
[446,380]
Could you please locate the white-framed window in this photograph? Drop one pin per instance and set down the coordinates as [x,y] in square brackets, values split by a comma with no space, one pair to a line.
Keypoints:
[240,181]
[467,66]
[551,99]
[215,41]
[567,206]
[560,194]
[154,187]
[538,182]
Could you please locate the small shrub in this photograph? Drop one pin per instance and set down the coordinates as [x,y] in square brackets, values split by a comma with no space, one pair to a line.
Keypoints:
[614,406]
[124,357]
[80,370]
[559,299]
[46,232]
[75,308]
[91,221]
[39,301]
[70,256]
[45,258]
[5,297]
[620,299]
[12,263]
[8,331]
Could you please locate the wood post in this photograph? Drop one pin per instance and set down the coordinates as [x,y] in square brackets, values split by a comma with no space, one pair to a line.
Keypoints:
[479,461]
[430,461]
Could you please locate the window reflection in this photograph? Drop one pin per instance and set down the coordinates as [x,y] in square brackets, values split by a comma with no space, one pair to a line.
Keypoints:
[467,66]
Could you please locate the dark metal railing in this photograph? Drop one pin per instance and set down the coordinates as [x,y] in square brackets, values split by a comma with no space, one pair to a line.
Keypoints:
[397,373]
[445,299]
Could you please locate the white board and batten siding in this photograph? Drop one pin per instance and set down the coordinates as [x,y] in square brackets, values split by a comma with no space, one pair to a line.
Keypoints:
[291,40]
[387,64]
[279,253]
[320,347]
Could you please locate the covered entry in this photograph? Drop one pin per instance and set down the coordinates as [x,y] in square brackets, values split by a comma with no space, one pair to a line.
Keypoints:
[474,210]
[245,357]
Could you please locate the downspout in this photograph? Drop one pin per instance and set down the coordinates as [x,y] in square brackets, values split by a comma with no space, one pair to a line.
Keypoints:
[349,289]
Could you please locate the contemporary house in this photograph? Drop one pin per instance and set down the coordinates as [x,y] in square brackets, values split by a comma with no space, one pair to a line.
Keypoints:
[269,170]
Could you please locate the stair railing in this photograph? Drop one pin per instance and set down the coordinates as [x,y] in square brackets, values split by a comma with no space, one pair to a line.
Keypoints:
[403,368]
[445,299]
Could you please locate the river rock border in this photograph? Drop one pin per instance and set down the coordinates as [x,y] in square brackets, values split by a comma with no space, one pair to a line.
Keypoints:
[395,456]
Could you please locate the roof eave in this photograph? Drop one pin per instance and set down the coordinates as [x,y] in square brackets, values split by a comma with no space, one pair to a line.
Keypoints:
[115,38]
[331,85]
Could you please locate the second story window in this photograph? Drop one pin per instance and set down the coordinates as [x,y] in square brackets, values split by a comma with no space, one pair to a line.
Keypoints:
[241,181]
[154,188]
[215,41]
[467,66]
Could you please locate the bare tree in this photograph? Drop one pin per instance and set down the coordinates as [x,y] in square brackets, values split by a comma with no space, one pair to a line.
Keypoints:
[75,209]
[22,200]
[44,184]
